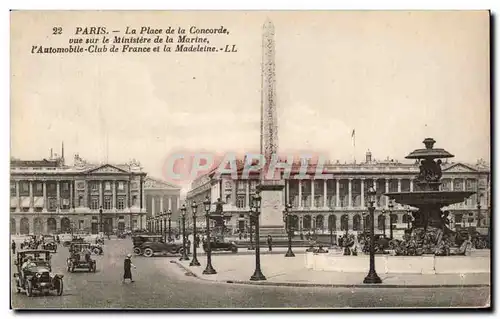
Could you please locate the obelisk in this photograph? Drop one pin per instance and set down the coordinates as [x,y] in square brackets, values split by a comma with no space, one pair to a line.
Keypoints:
[271,219]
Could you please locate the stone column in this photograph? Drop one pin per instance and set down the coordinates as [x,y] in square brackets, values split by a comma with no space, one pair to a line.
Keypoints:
[31,197]
[170,203]
[247,195]
[58,195]
[100,194]
[143,195]
[161,204]
[375,189]
[411,184]
[337,194]
[18,197]
[86,195]
[113,200]
[71,204]
[153,212]
[350,221]
[362,192]
[325,222]
[313,204]
[287,192]
[325,193]
[350,193]
[300,193]
[399,185]
[387,191]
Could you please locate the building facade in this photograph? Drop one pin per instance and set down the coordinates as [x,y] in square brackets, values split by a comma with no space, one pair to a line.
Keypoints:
[48,197]
[339,204]
[161,197]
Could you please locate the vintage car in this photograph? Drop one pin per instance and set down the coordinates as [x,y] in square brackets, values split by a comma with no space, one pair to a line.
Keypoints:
[218,244]
[75,239]
[79,259]
[49,243]
[149,245]
[37,277]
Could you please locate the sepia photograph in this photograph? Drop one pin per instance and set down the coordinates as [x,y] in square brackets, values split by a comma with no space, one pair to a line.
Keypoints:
[250,159]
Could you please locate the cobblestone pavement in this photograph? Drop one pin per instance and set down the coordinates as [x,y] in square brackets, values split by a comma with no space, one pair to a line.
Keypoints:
[161,284]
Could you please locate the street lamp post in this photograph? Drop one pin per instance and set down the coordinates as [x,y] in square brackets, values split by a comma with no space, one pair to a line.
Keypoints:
[195,261]
[479,211]
[383,221]
[257,275]
[251,247]
[391,206]
[184,248]
[169,215]
[287,219]
[372,277]
[209,270]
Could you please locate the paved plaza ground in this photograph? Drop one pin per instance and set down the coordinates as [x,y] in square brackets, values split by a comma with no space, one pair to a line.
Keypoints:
[161,283]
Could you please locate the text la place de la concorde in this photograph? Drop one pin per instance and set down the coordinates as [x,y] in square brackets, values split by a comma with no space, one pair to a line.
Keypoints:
[137,40]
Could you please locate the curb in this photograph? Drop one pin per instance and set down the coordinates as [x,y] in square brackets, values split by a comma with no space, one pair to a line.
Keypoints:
[296,284]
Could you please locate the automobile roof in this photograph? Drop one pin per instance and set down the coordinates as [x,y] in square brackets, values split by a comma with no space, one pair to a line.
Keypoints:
[34,251]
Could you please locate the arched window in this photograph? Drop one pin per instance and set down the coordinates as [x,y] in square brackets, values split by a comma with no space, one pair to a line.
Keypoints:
[332,222]
[405,218]
[13,226]
[381,221]
[25,226]
[344,222]
[306,222]
[51,225]
[320,222]
[356,222]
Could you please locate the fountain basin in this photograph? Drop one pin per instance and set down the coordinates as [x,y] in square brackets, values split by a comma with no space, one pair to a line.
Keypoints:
[386,264]
[425,198]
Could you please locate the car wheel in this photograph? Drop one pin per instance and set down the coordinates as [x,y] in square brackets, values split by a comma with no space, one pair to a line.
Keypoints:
[148,252]
[96,251]
[29,288]
[59,286]
[234,250]
[137,251]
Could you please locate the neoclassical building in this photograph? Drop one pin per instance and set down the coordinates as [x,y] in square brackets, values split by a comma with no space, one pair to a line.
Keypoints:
[336,204]
[48,196]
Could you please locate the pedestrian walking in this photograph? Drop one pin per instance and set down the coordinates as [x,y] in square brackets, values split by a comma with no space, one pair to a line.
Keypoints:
[13,246]
[270,242]
[127,264]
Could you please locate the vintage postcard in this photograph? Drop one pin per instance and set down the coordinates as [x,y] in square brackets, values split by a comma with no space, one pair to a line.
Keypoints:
[250,159]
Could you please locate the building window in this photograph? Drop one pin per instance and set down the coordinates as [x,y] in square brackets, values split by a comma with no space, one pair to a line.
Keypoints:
[80,201]
[94,217]
[120,202]
[107,186]
[65,187]
[39,187]
[13,189]
[94,202]
[93,187]
[25,187]
[52,203]
[107,202]
[121,186]
[134,200]
[228,199]
[241,186]
[240,201]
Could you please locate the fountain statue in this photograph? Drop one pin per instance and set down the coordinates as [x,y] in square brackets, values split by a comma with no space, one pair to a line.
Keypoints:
[430,232]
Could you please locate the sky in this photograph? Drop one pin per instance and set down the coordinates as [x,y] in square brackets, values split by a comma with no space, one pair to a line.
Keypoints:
[393,77]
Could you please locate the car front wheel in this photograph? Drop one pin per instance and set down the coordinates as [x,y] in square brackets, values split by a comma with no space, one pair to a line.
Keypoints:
[59,286]
[137,251]
[148,252]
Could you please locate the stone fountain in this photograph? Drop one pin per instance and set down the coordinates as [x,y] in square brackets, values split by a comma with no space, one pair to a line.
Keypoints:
[430,232]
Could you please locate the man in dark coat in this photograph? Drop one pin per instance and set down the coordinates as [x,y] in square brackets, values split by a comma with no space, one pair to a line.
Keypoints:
[127,264]
[270,242]
[13,246]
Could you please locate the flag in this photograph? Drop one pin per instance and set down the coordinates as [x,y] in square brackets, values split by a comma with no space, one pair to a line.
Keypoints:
[353,136]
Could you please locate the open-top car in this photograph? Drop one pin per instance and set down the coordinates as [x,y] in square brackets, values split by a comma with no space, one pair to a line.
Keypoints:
[34,273]
[80,257]
[218,244]
[49,243]
[74,239]
[149,245]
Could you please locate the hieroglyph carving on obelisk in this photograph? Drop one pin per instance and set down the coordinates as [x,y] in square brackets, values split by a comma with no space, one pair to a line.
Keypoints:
[269,120]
